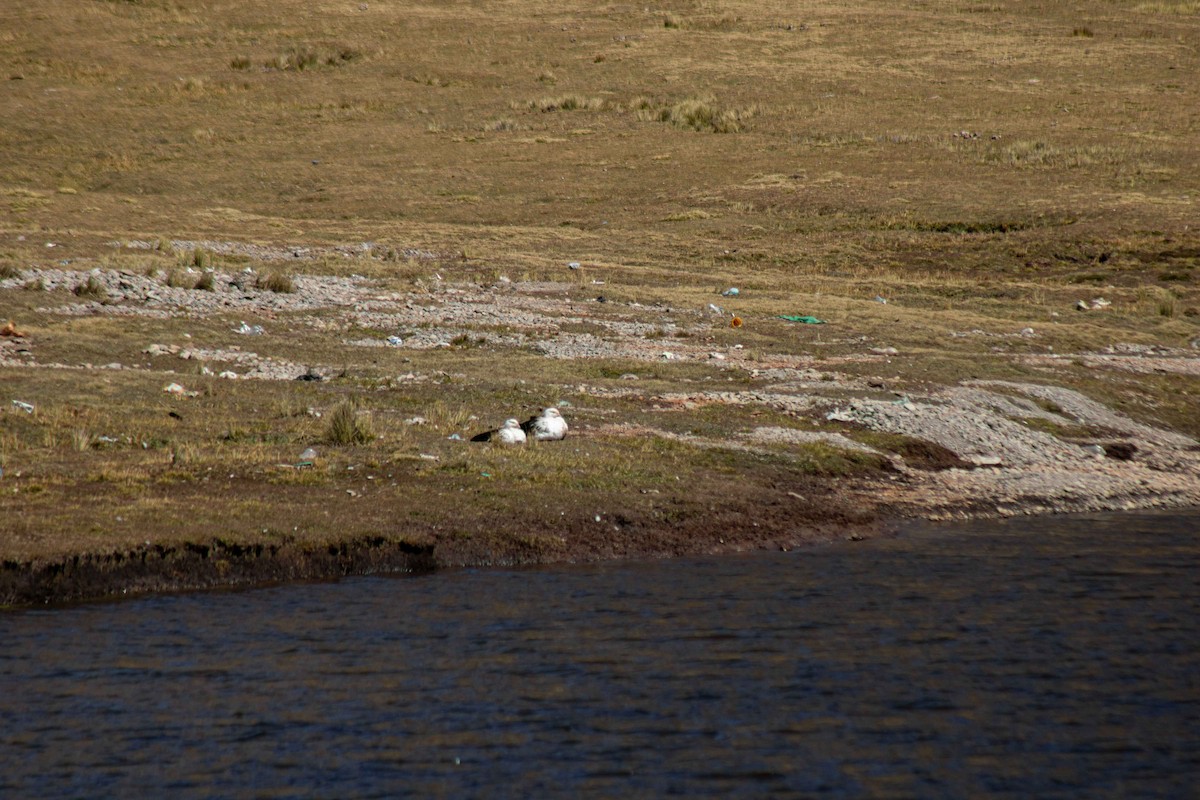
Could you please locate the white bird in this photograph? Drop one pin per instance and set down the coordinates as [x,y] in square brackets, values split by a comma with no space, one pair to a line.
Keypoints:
[508,433]
[549,425]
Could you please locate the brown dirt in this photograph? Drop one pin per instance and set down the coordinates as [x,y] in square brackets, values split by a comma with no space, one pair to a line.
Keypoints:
[776,511]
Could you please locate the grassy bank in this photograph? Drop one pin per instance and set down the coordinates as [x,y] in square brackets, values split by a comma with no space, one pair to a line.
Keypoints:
[541,204]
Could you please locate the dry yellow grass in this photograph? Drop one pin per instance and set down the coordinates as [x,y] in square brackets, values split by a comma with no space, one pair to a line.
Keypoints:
[981,165]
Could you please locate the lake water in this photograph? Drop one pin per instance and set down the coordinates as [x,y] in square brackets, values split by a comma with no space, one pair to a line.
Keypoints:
[1044,658]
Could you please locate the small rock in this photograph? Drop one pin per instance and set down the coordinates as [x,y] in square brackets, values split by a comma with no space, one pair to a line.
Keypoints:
[1094,450]
[1121,451]
[629,376]
[986,461]
[732,291]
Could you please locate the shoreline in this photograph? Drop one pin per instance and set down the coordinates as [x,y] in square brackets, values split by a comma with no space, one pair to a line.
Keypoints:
[218,565]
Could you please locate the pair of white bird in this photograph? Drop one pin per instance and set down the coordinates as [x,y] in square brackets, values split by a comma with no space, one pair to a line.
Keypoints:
[547,425]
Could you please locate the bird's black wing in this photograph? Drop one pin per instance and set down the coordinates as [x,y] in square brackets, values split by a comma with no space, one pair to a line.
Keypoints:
[530,425]
[486,436]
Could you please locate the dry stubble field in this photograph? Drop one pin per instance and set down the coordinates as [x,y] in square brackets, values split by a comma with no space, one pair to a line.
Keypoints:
[342,172]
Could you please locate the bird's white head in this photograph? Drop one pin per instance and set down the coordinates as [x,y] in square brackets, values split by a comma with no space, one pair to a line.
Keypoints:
[552,413]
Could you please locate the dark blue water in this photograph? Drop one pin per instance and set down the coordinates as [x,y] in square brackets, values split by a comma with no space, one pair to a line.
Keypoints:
[1050,658]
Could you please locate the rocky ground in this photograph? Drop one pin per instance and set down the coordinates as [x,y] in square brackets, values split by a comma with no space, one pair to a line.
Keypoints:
[1002,447]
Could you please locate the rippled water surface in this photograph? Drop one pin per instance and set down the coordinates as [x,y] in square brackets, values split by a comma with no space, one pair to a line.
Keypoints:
[1054,658]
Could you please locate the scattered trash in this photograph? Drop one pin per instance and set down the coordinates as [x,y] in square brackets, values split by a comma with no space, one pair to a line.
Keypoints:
[179,391]
[309,454]
[629,376]
[736,322]
[430,457]
[905,403]
[1027,332]
[564,403]
[716,309]
[1094,450]
[10,329]
[597,283]
[26,407]
[1097,304]
[454,437]
[885,351]
[717,356]
[247,330]
[802,319]
[395,341]
[229,374]
[574,265]
[732,291]
[668,356]
[880,299]
[485,474]
[415,421]
[841,415]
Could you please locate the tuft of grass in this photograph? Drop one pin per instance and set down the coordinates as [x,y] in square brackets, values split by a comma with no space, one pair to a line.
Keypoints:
[201,258]
[9,271]
[239,62]
[179,279]
[275,282]
[346,427]
[1083,31]
[81,440]
[207,282]
[91,288]
[299,59]
[569,102]
[698,114]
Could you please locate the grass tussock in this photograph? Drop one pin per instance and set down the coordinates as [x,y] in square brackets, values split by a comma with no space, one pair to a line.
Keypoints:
[277,282]
[299,59]
[346,426]
[9,271]
[703,114]
[569,102]
[91,289]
